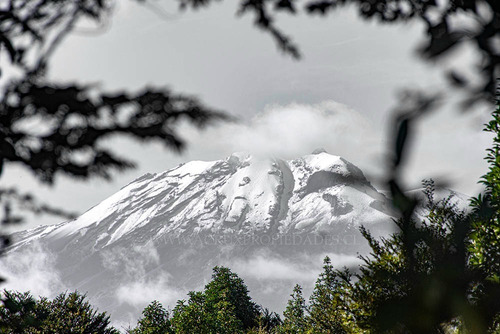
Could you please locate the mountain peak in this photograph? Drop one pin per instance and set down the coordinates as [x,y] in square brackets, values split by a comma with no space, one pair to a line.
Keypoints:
[239,194]
[319,151]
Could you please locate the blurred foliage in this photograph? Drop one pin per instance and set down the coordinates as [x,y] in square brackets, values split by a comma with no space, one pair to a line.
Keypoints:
[53,129]
[21,313]
[30,30]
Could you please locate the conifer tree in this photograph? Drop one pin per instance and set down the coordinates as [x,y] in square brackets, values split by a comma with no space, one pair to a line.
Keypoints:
[325,300]
[190,317]
[155,320]
[223,307]
[227,286]
[294,321]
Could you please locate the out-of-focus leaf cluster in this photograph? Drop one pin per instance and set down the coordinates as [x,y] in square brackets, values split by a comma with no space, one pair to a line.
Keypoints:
[53,129]
[31,29]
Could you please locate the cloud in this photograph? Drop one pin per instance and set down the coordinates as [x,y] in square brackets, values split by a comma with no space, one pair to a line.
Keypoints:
[289,131]
[140,281]
[143,291]
[269,268]
[132,261]
[31,269]
[266,266]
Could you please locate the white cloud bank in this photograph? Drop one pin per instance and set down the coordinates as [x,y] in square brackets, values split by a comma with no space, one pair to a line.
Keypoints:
[141,292]
[32,269]
[138,287]
[288,132]
[266,266]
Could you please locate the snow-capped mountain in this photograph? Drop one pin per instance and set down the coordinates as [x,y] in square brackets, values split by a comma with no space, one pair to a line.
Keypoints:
[271,221]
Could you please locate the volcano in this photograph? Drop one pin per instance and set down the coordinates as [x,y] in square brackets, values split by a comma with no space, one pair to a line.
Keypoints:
[270,220]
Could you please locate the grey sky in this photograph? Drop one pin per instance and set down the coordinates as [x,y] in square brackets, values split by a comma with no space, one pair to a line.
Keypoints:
[337,97]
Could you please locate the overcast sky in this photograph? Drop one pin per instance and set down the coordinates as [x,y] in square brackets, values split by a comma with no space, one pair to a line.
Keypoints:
[338,97]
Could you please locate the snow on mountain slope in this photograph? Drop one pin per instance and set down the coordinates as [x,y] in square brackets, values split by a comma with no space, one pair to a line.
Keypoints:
[168,230]
[235,195]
